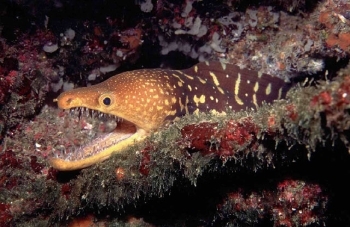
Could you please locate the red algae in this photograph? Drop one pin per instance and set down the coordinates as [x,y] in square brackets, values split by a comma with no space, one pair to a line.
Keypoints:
[291,113]
[294,203]
[66,189]
[9,159]
[36,167]
[5,216]
[120,173]
[242,132]
[145,162]
[324,98]
[344,92]
[197,137]
[207,138]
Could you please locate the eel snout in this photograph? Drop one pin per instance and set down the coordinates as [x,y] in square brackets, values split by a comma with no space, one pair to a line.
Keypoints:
[99,149]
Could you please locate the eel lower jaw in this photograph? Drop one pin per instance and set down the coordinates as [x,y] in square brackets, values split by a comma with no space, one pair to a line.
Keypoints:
[125,135]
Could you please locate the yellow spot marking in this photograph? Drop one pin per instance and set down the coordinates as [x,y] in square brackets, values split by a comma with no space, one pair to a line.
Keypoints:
[237,84]
[159,107]
[198,100]
[196,111]
[201,80]
[238,81]
[178,77]
[179,71]
[215,112]
[189,87]
[189,77]
[179,83]
[186,106]
[172,112]
[256,87]
[155,96]
[196,69]
[181,105]
[216,82]
[279,93]
[211,98]
[166,102]
[238,100]
[254,101]
[215,79]
[173,99]
[268,89]
[221,91]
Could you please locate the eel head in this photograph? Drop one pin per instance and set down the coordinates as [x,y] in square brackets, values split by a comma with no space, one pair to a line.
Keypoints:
[137,97]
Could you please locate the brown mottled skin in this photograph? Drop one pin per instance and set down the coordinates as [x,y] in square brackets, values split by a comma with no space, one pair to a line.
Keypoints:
[150,97]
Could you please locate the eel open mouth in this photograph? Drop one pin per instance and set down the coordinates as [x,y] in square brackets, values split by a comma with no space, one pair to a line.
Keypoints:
[99,149]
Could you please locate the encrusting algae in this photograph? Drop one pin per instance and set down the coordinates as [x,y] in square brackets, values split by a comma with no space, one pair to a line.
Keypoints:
[282,164]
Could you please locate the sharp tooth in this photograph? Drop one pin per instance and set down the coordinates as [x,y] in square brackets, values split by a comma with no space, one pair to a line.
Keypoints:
[76,111]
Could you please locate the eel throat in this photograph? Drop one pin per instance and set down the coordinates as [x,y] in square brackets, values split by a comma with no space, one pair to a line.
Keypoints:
[149,98]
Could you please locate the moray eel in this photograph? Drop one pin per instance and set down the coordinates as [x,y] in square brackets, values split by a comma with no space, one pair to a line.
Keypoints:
[148,98]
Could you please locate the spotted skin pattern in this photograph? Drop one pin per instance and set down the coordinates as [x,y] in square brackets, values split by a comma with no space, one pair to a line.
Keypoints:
[216,86]
[149,98]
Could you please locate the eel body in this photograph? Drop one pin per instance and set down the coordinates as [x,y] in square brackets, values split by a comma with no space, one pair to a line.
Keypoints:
[148,98]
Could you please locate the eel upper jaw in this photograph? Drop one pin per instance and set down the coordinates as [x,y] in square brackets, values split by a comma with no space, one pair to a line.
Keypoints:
[126,137]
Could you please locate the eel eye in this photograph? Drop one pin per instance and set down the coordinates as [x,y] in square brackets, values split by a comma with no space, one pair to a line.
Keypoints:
[107,101]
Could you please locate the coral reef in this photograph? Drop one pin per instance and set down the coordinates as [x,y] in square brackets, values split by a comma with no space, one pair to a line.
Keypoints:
[305,200]
[284,164]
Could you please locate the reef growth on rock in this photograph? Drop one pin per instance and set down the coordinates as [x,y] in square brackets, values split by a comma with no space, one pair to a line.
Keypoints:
[282,165]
